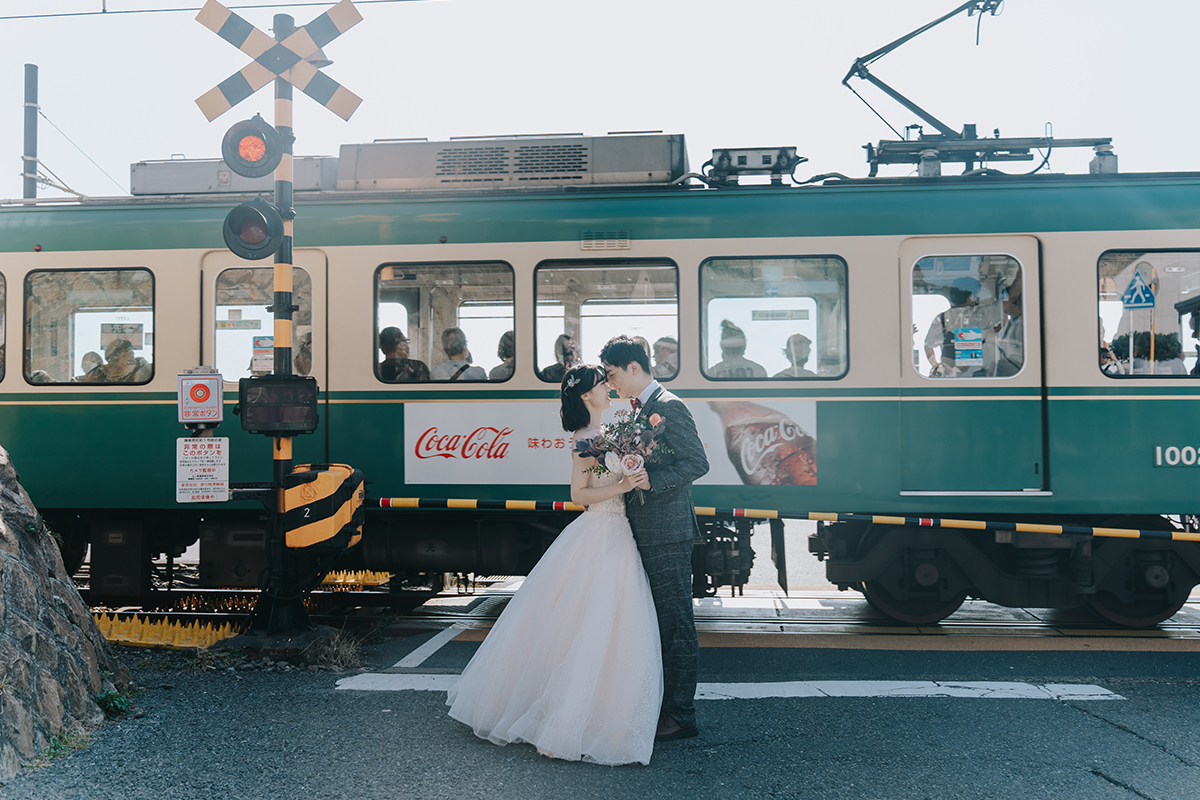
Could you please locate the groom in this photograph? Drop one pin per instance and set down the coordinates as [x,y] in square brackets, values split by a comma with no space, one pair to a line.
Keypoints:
[664,527]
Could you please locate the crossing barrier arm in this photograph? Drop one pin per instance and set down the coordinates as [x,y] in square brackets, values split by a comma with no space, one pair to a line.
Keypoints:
[408,503]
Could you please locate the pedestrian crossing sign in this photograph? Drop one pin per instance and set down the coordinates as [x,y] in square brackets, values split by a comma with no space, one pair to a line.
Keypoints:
[1139,294]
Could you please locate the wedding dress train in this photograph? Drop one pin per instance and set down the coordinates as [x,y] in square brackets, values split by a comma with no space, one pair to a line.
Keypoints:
[573,666]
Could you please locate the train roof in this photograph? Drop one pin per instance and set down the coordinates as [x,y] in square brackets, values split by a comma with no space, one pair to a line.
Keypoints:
[390,193]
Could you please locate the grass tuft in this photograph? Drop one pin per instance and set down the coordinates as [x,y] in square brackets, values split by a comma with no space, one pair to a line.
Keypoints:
[114,704]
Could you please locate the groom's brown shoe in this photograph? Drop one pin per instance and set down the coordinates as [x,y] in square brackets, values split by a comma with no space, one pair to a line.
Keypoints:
[669,729]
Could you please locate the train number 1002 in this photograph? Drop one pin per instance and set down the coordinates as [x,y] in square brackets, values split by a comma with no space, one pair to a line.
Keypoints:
[1175,456]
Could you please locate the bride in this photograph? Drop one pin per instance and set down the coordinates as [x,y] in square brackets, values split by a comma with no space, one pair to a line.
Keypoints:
[574,665]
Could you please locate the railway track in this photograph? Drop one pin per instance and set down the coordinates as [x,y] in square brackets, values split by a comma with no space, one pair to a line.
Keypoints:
[826,612]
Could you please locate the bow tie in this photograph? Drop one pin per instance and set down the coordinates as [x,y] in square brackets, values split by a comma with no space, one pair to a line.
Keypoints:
[636,405]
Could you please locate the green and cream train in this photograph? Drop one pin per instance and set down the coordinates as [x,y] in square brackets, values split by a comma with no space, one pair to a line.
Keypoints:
[980,347]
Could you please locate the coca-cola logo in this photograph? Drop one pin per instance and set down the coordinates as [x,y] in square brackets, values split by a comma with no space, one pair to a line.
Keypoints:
[483,442]
[755,448]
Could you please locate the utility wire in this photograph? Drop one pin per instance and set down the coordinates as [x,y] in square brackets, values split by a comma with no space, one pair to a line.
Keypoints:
[80,149]
[105,12]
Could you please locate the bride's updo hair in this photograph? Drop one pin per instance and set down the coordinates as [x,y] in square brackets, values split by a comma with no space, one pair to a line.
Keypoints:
[579,380]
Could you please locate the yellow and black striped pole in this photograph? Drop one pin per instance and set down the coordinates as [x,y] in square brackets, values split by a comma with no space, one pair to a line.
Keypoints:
[284,612]
[814,516]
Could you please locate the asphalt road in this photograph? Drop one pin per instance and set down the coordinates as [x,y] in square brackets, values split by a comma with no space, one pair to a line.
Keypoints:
[295,735]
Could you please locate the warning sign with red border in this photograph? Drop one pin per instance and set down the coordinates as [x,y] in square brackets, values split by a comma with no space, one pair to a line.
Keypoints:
[200,398]
[201,470]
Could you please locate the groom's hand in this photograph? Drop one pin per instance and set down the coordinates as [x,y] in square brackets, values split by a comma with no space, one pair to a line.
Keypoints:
[641,480]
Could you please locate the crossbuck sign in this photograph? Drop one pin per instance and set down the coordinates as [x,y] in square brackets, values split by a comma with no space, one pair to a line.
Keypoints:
[274,59]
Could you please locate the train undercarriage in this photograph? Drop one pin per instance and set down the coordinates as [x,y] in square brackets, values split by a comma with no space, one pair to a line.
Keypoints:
[913,575]
[922,575]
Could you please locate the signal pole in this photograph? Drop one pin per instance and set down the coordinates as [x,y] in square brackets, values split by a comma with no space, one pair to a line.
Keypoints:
[284,609]
[283,404]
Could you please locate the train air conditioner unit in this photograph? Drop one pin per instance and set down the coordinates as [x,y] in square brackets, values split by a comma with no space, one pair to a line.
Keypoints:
[507,163]
[213,176]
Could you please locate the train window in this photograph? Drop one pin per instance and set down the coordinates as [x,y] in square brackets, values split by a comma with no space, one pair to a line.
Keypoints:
[3,304]
[1152,298]
[245,342]
[583,304]
[444,322]
[89,326]
[966,314]
[773,318]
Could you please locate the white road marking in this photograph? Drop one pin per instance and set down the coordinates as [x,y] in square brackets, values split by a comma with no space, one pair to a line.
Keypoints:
[980,690]
[985,690]
[380,682]
[418,656]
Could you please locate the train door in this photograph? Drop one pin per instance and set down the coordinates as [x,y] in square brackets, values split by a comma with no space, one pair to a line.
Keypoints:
[239,331]
[971,376]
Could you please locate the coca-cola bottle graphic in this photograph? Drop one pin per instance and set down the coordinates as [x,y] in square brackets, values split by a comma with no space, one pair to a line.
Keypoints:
[765,447]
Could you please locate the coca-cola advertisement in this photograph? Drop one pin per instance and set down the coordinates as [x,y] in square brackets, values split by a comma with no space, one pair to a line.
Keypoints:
[765,446]
[523,443]
[489,443]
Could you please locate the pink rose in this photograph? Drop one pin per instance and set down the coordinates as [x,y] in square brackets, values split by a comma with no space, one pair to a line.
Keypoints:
[632,463]
[655,419]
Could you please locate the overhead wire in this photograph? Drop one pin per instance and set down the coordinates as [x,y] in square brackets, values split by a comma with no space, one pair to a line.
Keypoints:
[42,114]
[106,12]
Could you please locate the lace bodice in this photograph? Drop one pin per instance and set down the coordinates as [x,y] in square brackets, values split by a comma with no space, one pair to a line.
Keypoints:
[613,505]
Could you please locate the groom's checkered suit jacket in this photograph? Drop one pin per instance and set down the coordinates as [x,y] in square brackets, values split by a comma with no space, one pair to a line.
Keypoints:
[668,515]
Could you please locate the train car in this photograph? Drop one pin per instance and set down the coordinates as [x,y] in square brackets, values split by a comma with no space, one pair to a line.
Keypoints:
[988,347]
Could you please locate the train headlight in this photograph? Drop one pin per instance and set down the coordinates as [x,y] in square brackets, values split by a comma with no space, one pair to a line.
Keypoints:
[254,230]
[252,148]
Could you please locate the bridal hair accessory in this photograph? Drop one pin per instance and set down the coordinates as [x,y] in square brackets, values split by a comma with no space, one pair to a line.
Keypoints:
[572,381]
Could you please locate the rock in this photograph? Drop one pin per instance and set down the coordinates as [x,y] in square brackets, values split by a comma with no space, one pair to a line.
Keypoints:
[53,659]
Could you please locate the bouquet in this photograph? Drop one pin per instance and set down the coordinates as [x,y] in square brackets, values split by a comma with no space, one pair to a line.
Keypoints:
[626,446]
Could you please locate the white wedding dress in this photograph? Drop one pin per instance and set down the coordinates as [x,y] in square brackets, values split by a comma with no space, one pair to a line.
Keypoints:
[574,664]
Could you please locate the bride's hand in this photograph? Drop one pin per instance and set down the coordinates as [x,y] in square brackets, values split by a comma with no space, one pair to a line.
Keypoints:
[640,480]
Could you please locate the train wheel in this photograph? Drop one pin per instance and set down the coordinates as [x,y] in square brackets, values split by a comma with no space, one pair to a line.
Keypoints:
[1138,614]
[914,610]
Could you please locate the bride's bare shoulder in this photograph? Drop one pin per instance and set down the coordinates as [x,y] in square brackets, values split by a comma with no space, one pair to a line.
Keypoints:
[583,434]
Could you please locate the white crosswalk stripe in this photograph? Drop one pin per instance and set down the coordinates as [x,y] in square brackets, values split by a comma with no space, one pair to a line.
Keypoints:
[978,690]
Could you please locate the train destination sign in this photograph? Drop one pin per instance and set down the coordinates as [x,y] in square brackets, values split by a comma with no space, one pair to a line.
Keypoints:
[201,470]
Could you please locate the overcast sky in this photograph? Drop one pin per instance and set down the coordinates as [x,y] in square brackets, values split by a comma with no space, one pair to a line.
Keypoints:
[751,73]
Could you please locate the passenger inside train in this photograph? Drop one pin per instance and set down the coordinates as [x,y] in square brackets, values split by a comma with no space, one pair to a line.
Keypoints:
[796,351]
[506,351]
[457,367]
[396,366]
[566,354]
[122,367]
[666,358]
[733,363]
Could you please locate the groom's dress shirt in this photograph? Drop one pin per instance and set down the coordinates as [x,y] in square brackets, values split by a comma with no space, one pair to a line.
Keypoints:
[645,396]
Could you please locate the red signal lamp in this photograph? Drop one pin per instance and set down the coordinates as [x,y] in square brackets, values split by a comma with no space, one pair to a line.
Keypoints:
[252,148]
[254,230]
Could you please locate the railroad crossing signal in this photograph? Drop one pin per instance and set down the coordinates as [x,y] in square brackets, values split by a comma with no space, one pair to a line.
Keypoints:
[253,230]
[283,59]
[252,148]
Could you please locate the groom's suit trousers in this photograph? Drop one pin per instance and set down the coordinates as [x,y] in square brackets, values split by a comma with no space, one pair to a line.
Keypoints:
[669,568]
